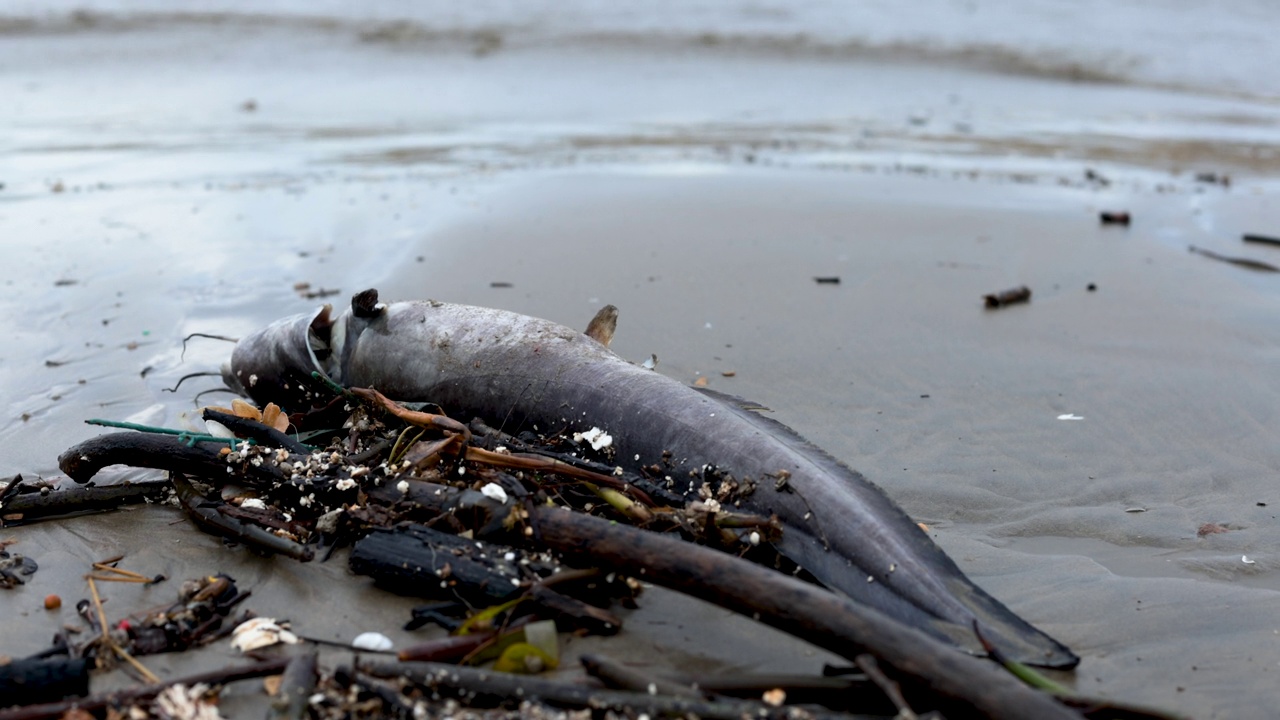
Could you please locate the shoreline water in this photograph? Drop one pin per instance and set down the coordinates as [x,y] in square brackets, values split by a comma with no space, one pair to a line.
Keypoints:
[147,202]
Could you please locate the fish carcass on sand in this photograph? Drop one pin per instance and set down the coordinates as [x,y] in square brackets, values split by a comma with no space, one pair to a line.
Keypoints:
[517,372]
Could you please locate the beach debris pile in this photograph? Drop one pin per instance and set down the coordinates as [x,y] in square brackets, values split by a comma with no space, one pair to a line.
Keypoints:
[14,566]
[195,619]
[514,540]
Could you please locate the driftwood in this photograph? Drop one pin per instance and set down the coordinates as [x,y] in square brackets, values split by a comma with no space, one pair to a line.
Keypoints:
[119,698]
[1247,263]
[416,560]
[162,452]
[489,688]
[296,686]
[24,507]
[43,680]
[975,687]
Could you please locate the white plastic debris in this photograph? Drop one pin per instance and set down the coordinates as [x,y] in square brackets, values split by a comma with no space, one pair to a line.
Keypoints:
[217,429]
[260,632]
[372,641]
[403,487]
[598,438]
[1245,559]
[253,504]
[1070,416]
[345,484]
[187,703]
[494,491]
[651,363]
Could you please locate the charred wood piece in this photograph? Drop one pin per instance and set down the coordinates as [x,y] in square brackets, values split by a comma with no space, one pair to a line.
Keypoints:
[1007,297]
[24,682]
[120,698]
[417,560]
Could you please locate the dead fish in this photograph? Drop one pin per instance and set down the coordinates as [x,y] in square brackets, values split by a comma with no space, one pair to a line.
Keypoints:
[518,372]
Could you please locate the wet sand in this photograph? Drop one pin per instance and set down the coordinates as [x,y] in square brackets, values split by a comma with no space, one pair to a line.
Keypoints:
[143,202]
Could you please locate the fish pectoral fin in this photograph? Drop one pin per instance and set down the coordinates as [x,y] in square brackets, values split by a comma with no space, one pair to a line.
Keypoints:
[602,325]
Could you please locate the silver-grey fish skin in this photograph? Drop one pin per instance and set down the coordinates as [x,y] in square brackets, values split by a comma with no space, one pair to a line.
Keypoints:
[518,372]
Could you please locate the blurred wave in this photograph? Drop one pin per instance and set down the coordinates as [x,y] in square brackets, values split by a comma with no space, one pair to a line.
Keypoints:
[1221,50]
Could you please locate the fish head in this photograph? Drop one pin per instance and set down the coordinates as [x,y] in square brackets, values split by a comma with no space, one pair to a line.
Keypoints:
[275,364]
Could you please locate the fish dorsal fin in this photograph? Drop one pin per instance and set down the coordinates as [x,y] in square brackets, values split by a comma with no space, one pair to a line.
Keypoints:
[602,325]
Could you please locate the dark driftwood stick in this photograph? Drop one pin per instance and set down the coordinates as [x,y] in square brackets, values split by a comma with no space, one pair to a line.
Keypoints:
[616,675]
[162,452]
[296,686]
[97,702]
[806,611]
[1261,239]
[32,506]
[43,680]
[492,688]
[254,430]
[1247,263]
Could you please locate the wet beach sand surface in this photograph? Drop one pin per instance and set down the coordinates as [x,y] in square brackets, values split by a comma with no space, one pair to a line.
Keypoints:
[1103,459]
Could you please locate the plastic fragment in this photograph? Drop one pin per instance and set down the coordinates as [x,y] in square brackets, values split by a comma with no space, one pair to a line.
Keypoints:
[494,491]
[372,641]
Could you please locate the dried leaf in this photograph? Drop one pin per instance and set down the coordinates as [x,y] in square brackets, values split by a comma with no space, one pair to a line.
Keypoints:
[243,409]
[273,417]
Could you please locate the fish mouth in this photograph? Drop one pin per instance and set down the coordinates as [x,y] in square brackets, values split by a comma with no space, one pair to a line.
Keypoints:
[275,363]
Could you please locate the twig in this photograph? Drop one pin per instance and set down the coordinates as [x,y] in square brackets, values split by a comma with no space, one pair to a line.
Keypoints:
[117,578]
[520,461]
[188,376]
[867,664]
[142,669]
[486,687]
[413,417]
[109,568]
[1237,261]
[102,615]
